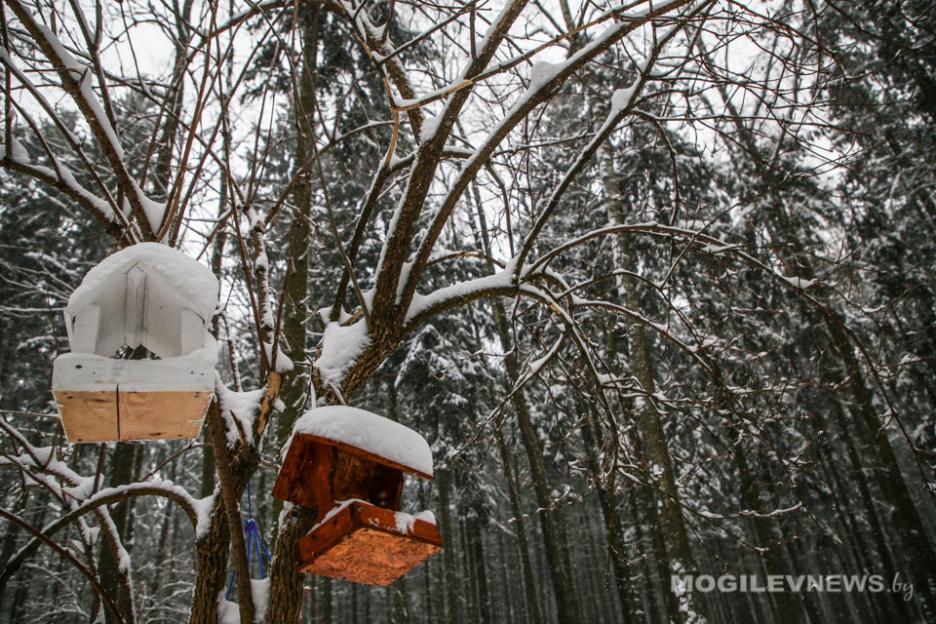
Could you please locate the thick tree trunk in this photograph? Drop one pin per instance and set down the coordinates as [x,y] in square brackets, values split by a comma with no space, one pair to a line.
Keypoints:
[211,548]
[285,606]
[655,606]
[211,557]
[296,317]
[285,601]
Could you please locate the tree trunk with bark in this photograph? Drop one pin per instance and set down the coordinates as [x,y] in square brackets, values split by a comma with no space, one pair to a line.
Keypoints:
[652,437]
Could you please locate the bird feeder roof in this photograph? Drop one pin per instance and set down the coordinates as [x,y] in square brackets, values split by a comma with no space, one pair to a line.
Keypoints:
[368,436]
[194,283]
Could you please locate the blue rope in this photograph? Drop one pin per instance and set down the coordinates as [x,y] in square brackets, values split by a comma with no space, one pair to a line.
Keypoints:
[256,548]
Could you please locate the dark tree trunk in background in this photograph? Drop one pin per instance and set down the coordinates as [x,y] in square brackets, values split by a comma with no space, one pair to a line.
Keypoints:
[519,524]
[470,583]
[617,550]
[479,567]
[122,463]
[449,536]
[768,542]
[296,317]
[653,441]
[566,600]
[325,600]
[397,603]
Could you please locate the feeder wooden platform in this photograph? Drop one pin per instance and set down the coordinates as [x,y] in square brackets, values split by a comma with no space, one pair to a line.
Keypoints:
[101,399]
[104,416]
[366,544]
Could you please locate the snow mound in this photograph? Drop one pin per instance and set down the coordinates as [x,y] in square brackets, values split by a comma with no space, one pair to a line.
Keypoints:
[194,281]
[542,72]
[341,346]
[368,432]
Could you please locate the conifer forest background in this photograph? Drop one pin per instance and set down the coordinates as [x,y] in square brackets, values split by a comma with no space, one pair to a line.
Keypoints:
[654,279]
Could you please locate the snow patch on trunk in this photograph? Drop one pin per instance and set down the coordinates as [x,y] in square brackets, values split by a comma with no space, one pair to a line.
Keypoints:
[429,128]
[341,346]
[283,363]
[203,507]
[243,407]
[229,612]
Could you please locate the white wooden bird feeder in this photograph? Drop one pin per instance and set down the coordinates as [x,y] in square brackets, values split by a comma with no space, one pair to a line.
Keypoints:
[147,295]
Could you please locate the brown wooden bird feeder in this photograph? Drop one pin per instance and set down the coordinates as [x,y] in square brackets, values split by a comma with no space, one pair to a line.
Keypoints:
[348,464]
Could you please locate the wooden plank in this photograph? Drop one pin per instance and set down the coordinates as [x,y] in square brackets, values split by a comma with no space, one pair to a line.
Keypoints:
[305,476]
[325,536]
[88,416]
[87,372]
[161,415]
[317,475]
[354,477]
[362,544]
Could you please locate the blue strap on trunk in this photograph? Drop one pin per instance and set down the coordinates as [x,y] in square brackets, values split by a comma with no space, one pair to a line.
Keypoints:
[258,556]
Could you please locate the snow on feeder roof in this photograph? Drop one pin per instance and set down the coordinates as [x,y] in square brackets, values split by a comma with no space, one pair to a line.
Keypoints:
[360,430]
[348,465]
[147,295]
[145,284]
[191,280]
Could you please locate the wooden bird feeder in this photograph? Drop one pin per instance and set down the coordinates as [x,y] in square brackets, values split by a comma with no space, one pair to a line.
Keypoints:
[348,464]
[151,296]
